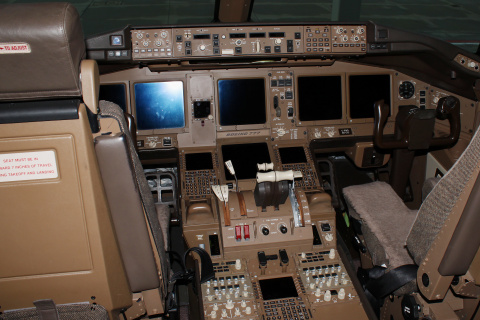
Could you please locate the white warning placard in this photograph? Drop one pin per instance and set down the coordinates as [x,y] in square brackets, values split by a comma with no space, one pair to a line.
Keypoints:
[23,166]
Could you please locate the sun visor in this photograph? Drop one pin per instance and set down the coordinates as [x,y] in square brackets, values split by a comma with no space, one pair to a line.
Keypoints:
[41,47]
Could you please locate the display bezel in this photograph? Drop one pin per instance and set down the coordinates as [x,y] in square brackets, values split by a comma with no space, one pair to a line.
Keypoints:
[229,127]
[305,123]
[349,97]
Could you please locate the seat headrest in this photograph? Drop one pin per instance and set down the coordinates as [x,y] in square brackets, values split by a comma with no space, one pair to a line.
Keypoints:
[41,47]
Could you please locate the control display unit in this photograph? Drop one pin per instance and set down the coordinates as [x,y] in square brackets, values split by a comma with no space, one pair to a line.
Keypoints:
[278,288]
[198,161]
[292,155]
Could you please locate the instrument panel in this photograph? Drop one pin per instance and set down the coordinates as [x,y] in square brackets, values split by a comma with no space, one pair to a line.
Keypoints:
[168,43]
[272,233]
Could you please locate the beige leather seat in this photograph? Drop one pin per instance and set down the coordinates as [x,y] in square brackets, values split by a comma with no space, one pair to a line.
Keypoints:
[64,243]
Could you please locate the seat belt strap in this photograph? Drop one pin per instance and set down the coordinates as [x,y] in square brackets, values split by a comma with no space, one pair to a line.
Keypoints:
[392,280]
[46,309]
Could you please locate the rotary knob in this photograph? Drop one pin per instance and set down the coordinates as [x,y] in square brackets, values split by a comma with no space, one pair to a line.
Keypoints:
[331,255]
[158,43]
[152,144]
[145,43]
[202,47]
[283,229]
[278,41]
[265,231]
[327,296]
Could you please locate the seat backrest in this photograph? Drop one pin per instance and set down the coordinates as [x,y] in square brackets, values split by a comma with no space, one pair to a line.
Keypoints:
[57,240]
[133,184]
[444,239]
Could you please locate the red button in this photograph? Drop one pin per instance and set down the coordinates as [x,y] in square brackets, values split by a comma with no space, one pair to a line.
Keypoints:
[238,233]
[246,232]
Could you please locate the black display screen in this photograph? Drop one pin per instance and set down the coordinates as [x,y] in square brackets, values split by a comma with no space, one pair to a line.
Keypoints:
[241,101]
[244,158]
[278,288]
[198,161]
[292,155]
[365,90]
[159,105]
[320,98]
[115,93]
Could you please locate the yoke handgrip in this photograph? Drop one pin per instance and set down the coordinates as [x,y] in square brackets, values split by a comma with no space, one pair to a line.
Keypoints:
[448,108]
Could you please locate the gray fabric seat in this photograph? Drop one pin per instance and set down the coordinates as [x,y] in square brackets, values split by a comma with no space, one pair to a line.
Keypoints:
[386,222]
[396,235]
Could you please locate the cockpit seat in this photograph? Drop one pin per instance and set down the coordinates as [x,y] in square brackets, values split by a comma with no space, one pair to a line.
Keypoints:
[386,222]
[61,241]
[442,238]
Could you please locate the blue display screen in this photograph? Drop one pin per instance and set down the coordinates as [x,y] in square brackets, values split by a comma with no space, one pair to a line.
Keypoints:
[159,105]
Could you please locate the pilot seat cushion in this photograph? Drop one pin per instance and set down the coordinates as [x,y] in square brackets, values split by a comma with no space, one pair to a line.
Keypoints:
[386,222]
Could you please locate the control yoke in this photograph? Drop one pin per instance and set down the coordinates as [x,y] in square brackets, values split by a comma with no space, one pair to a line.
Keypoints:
[414,130]
[414,127]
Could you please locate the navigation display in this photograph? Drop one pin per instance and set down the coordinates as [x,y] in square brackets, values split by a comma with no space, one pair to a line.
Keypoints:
[320,98]
[245,158]
[365,90]
[115,93]
[241,101]
[159,105]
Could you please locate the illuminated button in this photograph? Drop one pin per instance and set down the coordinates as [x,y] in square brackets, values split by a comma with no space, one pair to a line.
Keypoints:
[246,232]
[238,233]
